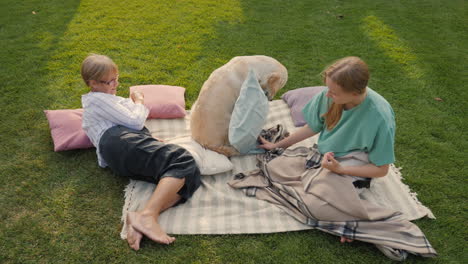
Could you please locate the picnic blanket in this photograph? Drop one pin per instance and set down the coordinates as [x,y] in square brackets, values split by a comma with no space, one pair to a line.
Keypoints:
[330,202]
[216,208]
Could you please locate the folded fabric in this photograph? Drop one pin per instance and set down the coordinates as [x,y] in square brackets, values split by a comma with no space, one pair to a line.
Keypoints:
[329,202]
[297,99]
[65,129]
[163,101]
[208,161]
[249,116]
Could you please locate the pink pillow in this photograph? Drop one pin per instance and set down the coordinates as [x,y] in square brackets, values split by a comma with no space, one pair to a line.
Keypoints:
[163,101]
[66,131]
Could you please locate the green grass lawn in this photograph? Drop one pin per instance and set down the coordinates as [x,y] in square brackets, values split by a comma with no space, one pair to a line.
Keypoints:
[62,208]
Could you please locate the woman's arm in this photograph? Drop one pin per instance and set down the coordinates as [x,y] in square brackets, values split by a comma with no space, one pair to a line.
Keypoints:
[301,134]
[367,171]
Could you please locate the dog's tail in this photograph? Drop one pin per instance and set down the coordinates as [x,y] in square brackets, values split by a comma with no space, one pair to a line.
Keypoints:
[225,150]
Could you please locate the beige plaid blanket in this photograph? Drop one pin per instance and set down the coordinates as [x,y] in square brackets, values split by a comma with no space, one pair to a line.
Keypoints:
[329,202]
[216,208]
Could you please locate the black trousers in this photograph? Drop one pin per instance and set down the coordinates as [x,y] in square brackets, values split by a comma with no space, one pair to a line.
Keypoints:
[137,155]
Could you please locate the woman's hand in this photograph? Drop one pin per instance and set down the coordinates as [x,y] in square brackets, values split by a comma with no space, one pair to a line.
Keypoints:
[137,97]
[299,135]
[266,144]
[329,162]
[366,171]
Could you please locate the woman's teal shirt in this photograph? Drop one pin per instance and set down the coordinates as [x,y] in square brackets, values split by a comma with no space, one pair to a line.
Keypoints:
[368,127]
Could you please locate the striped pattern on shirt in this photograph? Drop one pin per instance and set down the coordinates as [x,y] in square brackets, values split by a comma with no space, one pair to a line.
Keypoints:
[103,111]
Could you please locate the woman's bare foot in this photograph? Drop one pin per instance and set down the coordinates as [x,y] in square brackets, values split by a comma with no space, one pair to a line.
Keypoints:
[147,225]
[133,237]
[344,239]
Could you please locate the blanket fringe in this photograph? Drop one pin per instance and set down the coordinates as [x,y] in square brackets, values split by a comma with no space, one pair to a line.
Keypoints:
[128,193]
[413,195]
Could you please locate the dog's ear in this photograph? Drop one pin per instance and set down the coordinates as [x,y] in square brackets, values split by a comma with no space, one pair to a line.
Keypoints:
[274,84]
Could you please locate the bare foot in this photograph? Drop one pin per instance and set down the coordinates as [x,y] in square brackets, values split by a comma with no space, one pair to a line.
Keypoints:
[344,239]
[133,237]
[148,226]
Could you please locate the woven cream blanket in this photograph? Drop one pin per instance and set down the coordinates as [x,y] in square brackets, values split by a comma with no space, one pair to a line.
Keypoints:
[216,208]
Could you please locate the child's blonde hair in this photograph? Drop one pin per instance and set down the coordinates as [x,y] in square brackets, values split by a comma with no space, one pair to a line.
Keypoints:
[352,75]
[96,66]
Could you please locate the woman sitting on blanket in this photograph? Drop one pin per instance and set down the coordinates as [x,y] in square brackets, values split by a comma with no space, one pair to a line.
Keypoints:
[349,117]
[115,126]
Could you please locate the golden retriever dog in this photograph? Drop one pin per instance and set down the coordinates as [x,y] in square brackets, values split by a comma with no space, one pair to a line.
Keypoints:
[211,113]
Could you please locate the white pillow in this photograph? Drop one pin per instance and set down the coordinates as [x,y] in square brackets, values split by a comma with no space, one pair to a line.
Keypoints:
[208,161]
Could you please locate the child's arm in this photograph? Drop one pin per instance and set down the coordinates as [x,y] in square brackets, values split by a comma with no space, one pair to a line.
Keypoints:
[117,113]
[137,97]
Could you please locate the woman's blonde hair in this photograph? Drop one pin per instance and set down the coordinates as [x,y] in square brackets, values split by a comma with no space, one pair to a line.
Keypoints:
[352,75]
[96,66]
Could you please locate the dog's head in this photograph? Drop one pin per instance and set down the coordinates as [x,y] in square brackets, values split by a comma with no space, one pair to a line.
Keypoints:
[275,82]
[274,79]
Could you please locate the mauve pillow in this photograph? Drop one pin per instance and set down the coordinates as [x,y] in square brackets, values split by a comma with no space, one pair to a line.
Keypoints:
[66,130]
[163,101]
[297,99]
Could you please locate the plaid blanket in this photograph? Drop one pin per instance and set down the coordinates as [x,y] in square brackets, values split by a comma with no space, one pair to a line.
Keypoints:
[216,208]
[329,202]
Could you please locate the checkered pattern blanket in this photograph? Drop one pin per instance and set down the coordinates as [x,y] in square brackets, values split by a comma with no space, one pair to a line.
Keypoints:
[330,202]
[216,208]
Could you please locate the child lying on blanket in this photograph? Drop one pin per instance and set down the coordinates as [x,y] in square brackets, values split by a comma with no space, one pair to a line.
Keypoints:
[350,117]
[115,126]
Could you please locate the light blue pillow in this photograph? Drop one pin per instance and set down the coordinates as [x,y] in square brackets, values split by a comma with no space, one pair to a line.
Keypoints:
[249,116]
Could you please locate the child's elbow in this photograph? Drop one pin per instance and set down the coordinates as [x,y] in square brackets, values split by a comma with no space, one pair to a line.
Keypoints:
[140,127]
[137,122]
[137,125]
